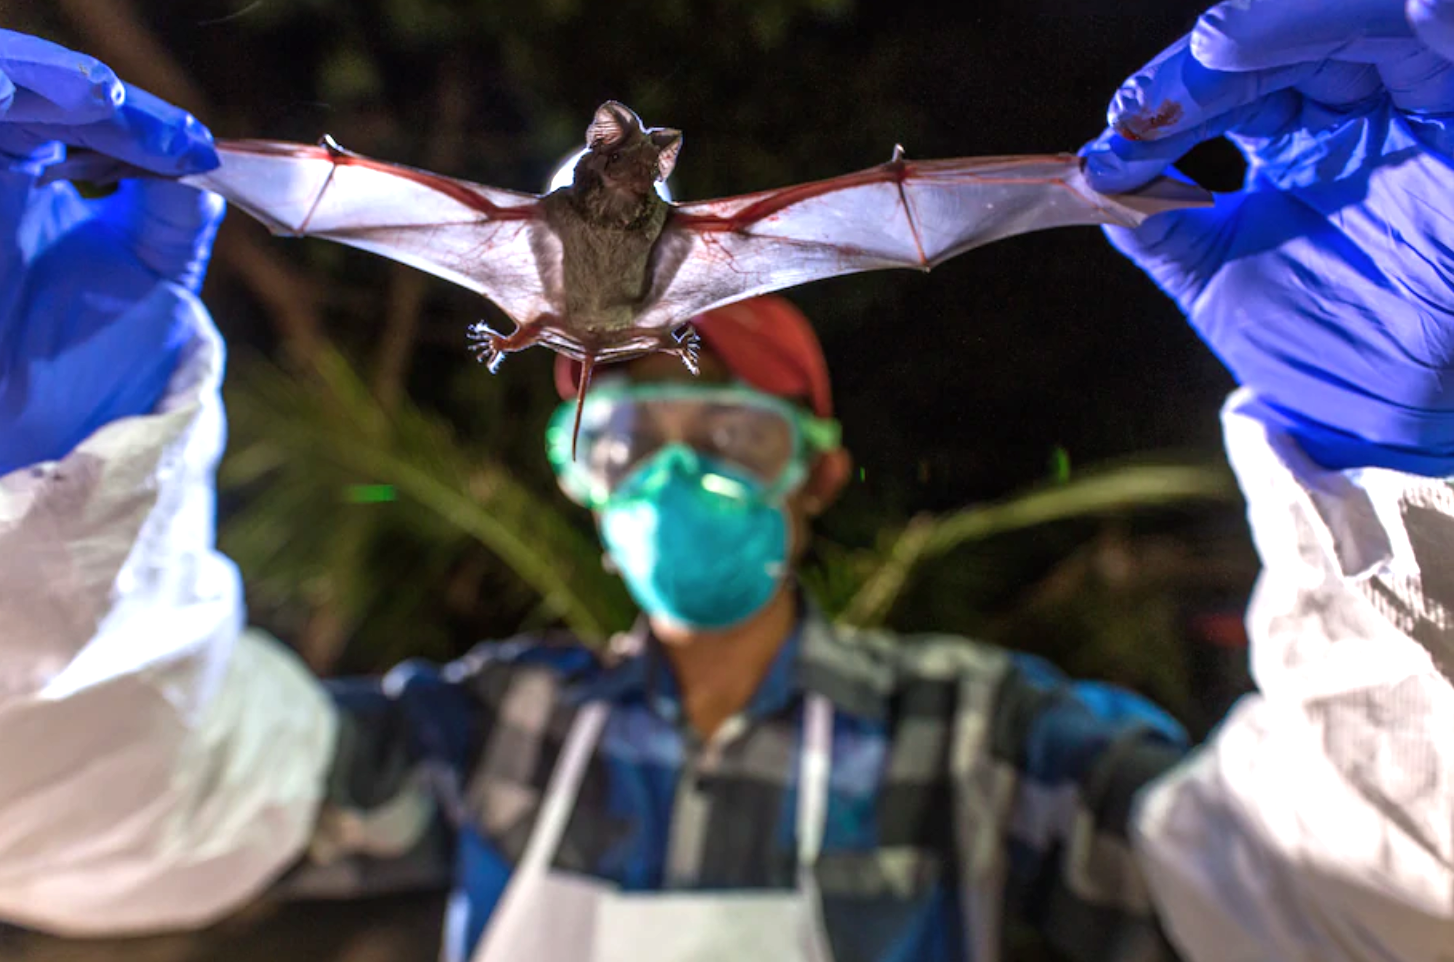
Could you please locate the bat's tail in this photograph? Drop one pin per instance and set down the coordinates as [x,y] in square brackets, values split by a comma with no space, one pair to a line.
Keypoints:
[588,367]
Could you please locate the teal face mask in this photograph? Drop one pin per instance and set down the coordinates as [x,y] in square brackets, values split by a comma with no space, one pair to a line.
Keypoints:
[697,541]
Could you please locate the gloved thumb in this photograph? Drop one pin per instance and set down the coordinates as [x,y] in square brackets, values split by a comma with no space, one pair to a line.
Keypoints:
[1181,250]
[1433,22]
[169,227]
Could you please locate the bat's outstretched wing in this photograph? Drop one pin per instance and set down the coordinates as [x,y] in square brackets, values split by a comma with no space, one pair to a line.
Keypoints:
[900,214]
[489,240]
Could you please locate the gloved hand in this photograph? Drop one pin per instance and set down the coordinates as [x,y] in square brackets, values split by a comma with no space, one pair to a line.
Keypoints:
[94,295]
[1327,284]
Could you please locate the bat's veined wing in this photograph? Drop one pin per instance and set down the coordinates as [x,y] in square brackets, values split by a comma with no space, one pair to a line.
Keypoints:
[492,241]
[900,214]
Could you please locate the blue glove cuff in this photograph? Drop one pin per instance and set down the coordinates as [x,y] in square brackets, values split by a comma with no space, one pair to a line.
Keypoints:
[1339,451]
[125,365]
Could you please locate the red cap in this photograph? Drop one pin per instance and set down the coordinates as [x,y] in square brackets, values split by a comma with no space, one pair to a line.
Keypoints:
[765,342]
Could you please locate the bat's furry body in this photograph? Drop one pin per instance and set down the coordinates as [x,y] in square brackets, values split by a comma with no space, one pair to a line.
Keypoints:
[605,258]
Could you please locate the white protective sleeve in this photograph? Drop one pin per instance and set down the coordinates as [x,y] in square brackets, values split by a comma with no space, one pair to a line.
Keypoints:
[159,765]
[1317,825]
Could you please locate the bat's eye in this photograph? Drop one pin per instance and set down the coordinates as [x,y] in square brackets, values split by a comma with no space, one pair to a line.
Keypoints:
[612,157]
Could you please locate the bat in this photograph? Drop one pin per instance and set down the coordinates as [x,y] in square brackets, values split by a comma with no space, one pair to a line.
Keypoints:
[605,269]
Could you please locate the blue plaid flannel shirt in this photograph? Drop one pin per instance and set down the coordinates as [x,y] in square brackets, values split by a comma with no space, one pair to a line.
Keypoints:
[973,791]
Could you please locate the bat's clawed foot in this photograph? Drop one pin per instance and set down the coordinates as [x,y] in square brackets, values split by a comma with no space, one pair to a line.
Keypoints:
[488,345]
[688,347]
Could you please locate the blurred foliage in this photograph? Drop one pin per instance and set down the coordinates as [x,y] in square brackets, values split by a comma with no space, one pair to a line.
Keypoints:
[310,441]
[461,541]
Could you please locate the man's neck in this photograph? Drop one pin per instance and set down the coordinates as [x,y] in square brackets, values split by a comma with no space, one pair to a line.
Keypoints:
[718,672]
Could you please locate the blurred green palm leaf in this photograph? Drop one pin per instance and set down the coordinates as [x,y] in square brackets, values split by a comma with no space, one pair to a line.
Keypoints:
[885,571]
[330,455]
[320,441]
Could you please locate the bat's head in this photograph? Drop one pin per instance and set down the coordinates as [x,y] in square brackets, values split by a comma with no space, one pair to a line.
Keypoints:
[624,155]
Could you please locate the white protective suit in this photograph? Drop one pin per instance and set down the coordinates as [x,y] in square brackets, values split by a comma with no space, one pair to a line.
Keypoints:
[137,712]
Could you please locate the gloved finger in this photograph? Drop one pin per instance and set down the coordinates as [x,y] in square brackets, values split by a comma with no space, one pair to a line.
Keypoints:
[81,88]
[146,132]
[1342,86]
[169,227]
[1180,249]
[29,107]
[21,142]
[1236,36]
[46,213]
[1433,23]
[1239,36]
[1115,164]
[115,361]
[1421,83]
[1182,94]
[1176,93]
[1108,171]
[87,165]
[7,94]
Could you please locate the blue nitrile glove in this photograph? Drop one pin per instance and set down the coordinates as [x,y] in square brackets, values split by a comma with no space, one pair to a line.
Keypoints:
[94,295]
[1327,284]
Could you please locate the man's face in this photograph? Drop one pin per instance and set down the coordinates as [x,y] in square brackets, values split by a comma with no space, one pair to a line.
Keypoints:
[702,488]
[825,477]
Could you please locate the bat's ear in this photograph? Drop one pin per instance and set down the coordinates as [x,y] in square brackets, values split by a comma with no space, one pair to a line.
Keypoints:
[613,123]
[668,144]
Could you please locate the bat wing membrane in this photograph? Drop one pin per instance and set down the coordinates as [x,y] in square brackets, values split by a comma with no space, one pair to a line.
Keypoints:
[901,214]
[492,241]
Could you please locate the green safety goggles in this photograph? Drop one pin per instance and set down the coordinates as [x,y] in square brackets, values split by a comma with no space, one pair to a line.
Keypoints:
[624,425]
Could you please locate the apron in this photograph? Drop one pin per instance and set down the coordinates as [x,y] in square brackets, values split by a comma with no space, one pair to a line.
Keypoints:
[548,916]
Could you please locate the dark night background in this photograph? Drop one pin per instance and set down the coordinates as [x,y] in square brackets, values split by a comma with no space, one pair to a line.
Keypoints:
[961,387]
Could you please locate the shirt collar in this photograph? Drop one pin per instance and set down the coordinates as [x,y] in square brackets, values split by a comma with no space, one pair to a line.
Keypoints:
[815,658]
